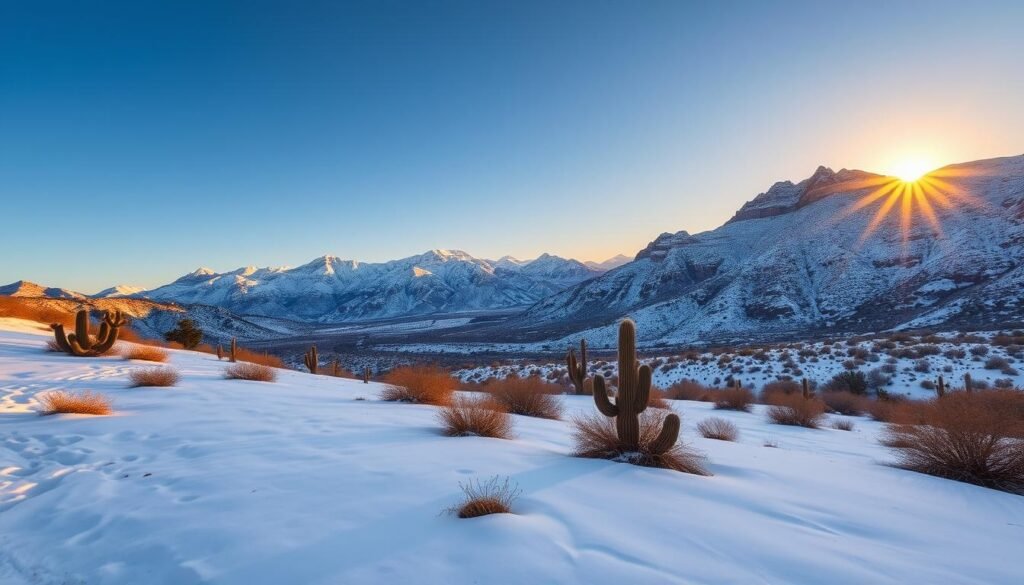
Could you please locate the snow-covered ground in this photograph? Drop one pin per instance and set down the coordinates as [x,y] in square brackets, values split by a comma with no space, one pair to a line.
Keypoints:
[303,482]
[905,364]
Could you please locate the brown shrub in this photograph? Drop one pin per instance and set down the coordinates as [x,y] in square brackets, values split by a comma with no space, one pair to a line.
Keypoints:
[250,371]
[842,424]
[596,438]
[717,428]
[734,399]
[844,402]
[527,396]
[153,377]
[777,391]
[469,416]
[419,385]
[898,410]
[689,390]
[795,410]
[131,351]
[62,402]
[966,436]
[493,496]
[656,399]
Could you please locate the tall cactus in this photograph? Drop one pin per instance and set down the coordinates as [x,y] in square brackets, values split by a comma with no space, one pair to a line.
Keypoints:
[631,400]
[80,343]
[968,382]
[366,374]
[312,360]
[578,369]
[940,388]
[336,368]
[233,355]
[805,388]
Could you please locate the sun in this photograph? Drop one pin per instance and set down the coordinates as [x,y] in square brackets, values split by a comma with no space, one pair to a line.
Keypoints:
[912,169]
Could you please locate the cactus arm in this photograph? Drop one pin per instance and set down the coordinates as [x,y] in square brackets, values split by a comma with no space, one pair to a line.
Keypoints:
[82,329]
[104,345]
[115,319]
[60,337]
[76,347]
[643,391]
[601,398]
[667,437]
[312,360]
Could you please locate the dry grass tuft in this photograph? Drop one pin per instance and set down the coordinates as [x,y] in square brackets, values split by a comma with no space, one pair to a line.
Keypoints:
[527,396]
[656,399]
[973,437]
[795,410]
[898,411]
[143,352]
[480,498]
[596,438]
[252,357]
[157,376]
[718,429]
[778,391]
[51,346]
[250,371]
[842,424]
[469,416]
[61,402]
[419,385]
[734,399]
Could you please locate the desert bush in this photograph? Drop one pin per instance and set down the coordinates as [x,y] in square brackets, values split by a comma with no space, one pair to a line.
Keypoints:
[253,357]
[795,410]
[928,349]
[595,437]
[656,399]
[143,352]
[852,382]
[689,390]
[843,402]
[996,363]
[469,416]
[419,385]
[735,398]
[922,366]
[61,402]
[530,396]
[773,392]
[966,436]
[979,350]
[158,376]
[718,428]
[895,410]
[955,353]
[842,424]
[493,496]
[250,371]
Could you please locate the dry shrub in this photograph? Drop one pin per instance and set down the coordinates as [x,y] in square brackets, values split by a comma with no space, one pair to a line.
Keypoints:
[736,398]
[469,416]
[596,438]
[153,377]
[494,496]
[250,371]
[844,402]
[63,402]
[527,396]
[143,352]
[52,346]
[689,390]
[718,428]
[896,410]
[419,385]
[795,410]
[842,424]
[252,357]
[966,436]
[778,391]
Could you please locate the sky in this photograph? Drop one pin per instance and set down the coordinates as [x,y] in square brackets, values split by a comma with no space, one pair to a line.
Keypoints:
[139,140]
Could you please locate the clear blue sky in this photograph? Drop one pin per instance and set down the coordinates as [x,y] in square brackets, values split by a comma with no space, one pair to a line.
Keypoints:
[141,139]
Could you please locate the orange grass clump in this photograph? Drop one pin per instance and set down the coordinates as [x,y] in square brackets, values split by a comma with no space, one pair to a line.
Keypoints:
[61,402]
[250,371]
[419,385]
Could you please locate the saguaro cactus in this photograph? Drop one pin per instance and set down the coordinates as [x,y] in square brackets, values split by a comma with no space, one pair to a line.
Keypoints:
[220,352]
[336,368]
[312,360]
[631,400]
[578,369]
[234,348]
[940,388]
[805,388]
[366,374]
[968,383]
[80,343]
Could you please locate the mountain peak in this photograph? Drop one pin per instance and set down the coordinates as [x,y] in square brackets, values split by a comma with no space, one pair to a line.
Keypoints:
[785,196]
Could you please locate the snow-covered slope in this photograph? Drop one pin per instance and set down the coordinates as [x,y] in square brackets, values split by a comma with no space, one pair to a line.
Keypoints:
[804,257]
[330,289]
[24,288]
[613,262]
[303,481]
[120,290]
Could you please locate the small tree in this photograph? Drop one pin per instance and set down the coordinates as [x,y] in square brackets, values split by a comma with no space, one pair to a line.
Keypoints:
[186,333]
[850,381]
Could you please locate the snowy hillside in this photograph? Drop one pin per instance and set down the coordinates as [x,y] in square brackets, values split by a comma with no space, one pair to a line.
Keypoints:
[806,257]
[312,480]
[330,289]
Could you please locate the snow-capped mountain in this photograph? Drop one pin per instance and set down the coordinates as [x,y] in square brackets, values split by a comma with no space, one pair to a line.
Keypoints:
[806,256]
[613,262]
[330,289]
[120,290]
